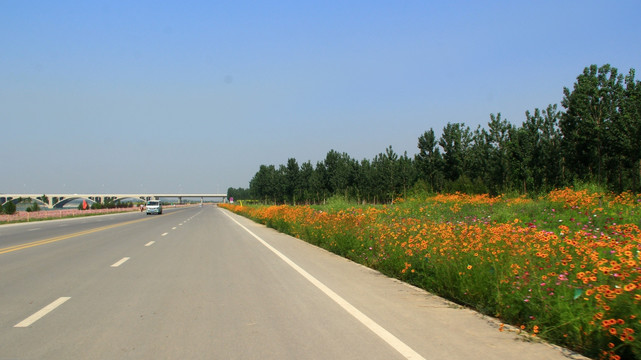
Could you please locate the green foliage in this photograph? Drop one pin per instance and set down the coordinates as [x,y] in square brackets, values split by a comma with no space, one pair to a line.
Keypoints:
[239,193]
[337,202]
[601,128]
[465,185]
[429,161]
[9,208]
[33,207]
[455,142]
[590,187]
[279,224]
[595,140]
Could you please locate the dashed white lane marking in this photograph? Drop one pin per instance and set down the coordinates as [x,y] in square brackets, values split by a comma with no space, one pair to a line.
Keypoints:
[164,234]
[150,243]
[173,228]
[120,262]
[44,311]
[385,335]
[34,229]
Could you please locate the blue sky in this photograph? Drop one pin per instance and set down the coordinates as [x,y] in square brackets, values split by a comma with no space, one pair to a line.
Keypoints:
[193,96]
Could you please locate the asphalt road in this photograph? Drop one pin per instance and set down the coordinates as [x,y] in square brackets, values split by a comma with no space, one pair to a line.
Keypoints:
[202,283]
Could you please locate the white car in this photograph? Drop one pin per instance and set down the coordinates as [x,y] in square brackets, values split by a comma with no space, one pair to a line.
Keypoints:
[154,207]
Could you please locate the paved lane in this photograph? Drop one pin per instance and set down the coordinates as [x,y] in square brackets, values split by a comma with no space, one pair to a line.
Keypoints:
[201,283]
[23,233]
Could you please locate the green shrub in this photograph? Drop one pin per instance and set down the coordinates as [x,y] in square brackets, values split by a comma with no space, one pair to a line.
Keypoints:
[95,206]
[33,207]
[9,208]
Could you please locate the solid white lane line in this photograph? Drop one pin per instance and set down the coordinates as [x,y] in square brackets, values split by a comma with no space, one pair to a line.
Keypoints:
[385,335]
[120,262]
[150,243]
[164,234]
[44,311]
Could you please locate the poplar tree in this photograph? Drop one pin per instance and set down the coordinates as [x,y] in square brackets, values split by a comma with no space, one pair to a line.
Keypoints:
[429,161]
[591,110]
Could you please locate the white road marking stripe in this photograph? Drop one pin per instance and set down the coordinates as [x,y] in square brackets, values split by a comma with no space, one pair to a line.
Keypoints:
[120,262]
[34,229]
[164,234]
[385,335]
[150,243]
[173,228]
[44,311]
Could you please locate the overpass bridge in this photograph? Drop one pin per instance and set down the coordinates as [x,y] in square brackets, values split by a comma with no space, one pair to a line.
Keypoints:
[58,200]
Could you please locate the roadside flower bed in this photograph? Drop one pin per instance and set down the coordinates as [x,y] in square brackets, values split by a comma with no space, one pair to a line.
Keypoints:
[566,267]
[24,216]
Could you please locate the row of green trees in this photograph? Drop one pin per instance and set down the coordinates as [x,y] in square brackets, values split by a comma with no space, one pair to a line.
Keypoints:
[595,139]
[107,204]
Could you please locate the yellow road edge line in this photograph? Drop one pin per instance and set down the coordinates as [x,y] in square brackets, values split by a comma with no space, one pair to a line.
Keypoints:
[63,237]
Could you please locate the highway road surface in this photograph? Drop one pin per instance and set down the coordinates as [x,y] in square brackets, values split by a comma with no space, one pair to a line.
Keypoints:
[202,283]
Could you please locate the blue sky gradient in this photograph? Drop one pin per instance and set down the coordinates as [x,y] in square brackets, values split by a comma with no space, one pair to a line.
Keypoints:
[122,96]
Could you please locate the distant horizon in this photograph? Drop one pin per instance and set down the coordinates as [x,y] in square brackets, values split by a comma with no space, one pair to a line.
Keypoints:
[78,198]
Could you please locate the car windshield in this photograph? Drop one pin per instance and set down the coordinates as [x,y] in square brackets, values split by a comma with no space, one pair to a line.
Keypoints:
[152,203]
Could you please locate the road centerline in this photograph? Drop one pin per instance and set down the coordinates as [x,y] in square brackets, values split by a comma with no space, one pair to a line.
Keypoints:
[42,312]
[120,262]
[63,237]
